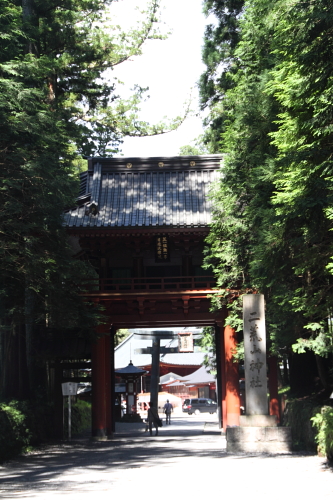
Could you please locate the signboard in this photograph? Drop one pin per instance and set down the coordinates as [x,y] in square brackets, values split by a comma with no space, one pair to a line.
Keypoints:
[69,388]
[162,249]
[185,342]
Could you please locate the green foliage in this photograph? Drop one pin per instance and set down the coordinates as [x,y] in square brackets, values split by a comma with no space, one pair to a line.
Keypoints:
[298,416]
[208,345]
[23,424]
[323,422]
[80,417]
[121,335]
[220,41]
[15,436]
[63,54]
[320,341]
[197,147]
[268,88]
[58,103]
[189,150]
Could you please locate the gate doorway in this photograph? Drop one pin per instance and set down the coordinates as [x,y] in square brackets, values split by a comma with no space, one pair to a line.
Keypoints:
[142,224]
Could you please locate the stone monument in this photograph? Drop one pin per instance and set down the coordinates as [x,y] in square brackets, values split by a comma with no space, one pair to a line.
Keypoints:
[258,431]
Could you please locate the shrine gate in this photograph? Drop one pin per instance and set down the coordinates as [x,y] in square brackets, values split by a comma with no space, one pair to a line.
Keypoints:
[142,223]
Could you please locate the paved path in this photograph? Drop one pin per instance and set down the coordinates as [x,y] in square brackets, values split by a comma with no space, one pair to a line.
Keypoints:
[186,461]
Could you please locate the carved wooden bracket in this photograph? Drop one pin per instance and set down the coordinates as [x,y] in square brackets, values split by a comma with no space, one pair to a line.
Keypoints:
[197,304]
[185,299]
[141,306]
[152,304]
[174,304]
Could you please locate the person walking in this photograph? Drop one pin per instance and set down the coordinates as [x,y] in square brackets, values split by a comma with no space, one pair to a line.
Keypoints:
[167,410]
[153,419]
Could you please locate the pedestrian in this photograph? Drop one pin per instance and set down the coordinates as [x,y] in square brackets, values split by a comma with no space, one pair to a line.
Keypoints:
[153,418]
[167,410]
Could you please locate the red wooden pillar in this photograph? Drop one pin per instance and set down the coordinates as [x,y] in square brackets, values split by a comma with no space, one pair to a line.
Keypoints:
[232,378]
[224,385]
[101,390]
[274,407]
[108,391]
[112,381]
[222,374]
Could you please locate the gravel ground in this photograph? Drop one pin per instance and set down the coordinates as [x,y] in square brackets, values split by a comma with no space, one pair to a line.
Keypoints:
[187,460]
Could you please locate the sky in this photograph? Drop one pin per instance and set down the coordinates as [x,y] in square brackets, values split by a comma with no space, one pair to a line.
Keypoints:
[170,68]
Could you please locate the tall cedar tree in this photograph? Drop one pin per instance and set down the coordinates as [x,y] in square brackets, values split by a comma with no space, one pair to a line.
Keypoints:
[273,207]
[55,102]
[220,41]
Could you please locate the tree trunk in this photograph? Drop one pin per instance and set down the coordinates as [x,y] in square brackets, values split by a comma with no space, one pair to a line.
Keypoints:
[27,9]
[323,373]
[28,15]
[285,371]
[6,361]
[302,372]
[29,302]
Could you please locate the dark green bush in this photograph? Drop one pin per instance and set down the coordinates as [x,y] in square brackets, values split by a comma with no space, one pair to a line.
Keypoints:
[298,414]
[81,417]
[323,422]
[23,424]
[14,434]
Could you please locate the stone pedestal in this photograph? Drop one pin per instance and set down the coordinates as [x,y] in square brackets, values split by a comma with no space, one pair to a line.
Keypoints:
[258,421]
[273,440]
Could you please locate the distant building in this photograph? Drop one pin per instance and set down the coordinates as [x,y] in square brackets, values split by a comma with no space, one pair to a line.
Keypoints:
[181,373]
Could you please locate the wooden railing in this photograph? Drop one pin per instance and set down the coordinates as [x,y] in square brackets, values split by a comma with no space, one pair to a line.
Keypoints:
[127,285]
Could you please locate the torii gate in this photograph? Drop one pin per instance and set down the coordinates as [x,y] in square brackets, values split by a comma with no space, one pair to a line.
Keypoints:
[142,222]
[155,351]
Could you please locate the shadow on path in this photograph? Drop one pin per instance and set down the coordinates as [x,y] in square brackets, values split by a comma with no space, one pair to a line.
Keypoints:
[84,465]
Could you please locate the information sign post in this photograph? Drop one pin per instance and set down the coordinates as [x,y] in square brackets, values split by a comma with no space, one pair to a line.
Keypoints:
[69,389]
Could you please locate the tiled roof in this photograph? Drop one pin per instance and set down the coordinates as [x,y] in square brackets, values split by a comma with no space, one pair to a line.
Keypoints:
[169,377]
[127,192]
[201,376]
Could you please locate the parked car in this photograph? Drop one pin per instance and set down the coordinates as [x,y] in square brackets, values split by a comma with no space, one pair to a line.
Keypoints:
[199,405]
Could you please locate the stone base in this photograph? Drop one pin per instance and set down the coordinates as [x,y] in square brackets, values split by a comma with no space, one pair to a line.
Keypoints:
[257,421]
[258,440]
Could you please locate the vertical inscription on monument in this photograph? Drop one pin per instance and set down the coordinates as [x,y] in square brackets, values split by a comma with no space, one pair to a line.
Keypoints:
[255,355]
